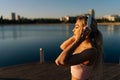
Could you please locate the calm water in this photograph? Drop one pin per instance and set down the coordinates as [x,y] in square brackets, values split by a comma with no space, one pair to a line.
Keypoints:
[21,43]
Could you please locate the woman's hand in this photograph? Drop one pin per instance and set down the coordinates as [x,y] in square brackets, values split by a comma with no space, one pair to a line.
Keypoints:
[67,43]
[57,62]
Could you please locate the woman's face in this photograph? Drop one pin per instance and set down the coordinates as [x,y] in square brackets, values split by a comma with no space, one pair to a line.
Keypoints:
[77,28]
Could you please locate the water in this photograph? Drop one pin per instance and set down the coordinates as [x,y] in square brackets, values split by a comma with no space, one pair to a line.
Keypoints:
[111,37]
[21,43]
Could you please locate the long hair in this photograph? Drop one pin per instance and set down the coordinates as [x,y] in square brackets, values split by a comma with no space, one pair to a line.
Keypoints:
[96,38]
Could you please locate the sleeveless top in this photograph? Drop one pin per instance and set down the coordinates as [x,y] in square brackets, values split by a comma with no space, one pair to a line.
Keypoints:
[81,71]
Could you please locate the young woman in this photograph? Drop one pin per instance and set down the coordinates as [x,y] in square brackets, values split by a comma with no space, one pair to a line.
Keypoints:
[83,51]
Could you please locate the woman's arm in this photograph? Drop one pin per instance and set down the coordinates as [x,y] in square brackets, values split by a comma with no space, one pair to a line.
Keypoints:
[88,55]
[66,43]
[67,53]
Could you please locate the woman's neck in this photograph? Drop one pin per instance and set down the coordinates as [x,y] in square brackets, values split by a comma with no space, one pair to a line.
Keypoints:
[84,45]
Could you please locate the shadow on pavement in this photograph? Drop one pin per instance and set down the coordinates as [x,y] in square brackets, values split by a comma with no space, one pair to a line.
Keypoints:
[13,79]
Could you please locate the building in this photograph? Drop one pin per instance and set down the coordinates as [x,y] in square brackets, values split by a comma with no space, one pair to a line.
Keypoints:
[13,16]
[64,19]
[18,17]
[111,17]
[1,18]
[73,18]
[68,19]
[92,12]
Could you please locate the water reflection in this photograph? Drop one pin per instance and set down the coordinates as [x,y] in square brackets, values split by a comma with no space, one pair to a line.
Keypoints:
[111,38]
[19,31]
[67,30]
[10,32]
[110,30]
[2,32]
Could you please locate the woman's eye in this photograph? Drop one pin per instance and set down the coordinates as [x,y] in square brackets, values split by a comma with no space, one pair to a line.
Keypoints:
[76,27]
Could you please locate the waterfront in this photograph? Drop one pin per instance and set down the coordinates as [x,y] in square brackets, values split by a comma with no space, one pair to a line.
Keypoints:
[110,23]
[21,43]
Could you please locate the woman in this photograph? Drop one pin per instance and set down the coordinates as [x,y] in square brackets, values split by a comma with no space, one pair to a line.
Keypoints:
[83,50]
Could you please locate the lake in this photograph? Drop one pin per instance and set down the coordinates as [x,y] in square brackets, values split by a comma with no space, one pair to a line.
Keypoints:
[21,43]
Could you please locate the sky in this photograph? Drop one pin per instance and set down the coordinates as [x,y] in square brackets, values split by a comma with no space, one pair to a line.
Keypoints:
[57,8]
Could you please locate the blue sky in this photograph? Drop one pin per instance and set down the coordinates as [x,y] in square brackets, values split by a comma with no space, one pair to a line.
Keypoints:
[57,8]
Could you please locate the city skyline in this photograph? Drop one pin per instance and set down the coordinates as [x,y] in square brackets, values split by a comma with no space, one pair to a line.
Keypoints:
[57,8]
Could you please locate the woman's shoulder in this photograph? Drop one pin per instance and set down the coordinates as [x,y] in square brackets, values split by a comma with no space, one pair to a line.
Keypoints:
[91,50]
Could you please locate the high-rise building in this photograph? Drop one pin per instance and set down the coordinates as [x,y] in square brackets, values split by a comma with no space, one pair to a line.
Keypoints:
[18,17]
[92,12]
[1,18]
[13,16]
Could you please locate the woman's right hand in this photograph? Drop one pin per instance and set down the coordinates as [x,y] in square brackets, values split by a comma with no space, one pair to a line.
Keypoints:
[68,42]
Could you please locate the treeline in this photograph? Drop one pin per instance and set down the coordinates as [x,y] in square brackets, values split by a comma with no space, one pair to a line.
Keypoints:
[29,21]
[46,21]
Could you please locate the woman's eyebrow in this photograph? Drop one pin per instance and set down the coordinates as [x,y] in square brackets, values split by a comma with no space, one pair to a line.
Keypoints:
[77,25]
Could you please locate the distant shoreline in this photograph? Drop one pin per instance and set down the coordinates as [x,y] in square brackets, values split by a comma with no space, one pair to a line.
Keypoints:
[110,23]
[102,23]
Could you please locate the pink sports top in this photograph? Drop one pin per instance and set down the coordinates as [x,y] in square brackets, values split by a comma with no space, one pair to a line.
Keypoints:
[81,71]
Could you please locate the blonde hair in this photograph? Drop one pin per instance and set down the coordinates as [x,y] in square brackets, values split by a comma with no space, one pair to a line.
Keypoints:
[97,40]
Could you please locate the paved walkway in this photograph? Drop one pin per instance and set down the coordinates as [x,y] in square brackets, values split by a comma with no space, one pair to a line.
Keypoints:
[49,71]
